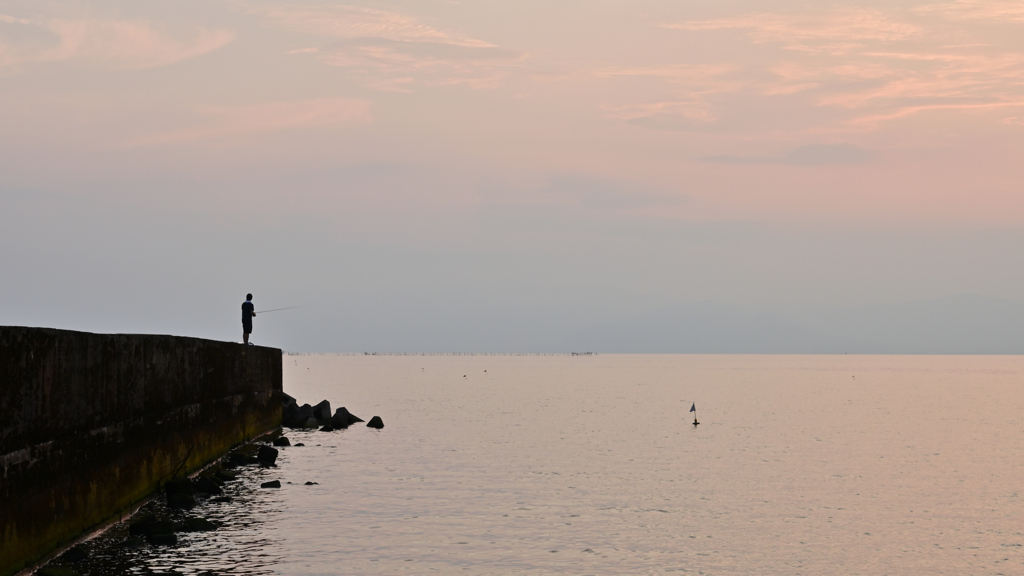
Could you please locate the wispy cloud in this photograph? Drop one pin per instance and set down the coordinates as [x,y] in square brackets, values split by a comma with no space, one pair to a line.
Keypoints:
[234,124]
[836,32]
[996,10]
[389,50]
[115,44]
[873,65]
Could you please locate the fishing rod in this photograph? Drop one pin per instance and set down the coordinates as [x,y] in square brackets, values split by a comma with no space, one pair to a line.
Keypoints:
[278,309]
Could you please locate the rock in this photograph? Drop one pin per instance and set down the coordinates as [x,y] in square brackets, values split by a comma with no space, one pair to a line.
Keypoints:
[225,475]
[289,414]
[282,441]
[162,539]
[221,499]
[286,399]
[267,455]
[322,412]
[148,525]
[207,485]
[375,422]
[300,444]
[179,486]
[312,484]
[181,501]
[311,423]
[139,524]
[160,527]
[56,571]
[300,417]
[74,554]
[327,429]
[193,524]
[242,459]
[271,484]
[343,418]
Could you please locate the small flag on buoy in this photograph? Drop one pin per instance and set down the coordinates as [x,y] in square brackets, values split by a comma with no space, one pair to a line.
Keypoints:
[693,408]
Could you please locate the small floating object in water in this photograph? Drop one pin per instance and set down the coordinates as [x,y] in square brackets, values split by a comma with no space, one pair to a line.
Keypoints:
[693,409]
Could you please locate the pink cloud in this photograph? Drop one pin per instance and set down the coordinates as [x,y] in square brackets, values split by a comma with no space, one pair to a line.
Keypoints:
[391,50]
[117,44]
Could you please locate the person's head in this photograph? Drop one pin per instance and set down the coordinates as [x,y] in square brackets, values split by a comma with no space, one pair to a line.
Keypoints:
[248,297]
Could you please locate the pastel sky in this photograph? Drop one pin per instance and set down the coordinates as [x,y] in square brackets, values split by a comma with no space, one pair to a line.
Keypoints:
[441,174]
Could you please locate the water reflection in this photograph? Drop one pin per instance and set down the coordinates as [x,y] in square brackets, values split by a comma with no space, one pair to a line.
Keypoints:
[244,544]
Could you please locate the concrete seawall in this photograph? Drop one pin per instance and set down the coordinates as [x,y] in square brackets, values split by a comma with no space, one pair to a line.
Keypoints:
[92,423]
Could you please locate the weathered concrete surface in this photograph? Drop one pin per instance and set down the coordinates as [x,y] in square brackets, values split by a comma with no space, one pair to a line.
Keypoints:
[91,423]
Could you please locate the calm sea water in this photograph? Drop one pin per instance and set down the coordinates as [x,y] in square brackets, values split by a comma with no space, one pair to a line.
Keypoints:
[589,465]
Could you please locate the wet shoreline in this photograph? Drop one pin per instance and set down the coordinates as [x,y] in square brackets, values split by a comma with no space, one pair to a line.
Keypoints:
[214,536]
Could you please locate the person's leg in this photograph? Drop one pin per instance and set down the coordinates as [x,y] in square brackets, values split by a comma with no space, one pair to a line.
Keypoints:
[245,337]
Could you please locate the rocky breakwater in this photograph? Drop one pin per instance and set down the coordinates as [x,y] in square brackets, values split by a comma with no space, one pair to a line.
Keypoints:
[182,529]
[172,524]
[320,416]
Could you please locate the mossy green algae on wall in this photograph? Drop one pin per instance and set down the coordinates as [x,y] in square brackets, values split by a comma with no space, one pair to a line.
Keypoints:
[91,423]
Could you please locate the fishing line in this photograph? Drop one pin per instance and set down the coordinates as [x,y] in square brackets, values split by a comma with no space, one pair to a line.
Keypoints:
[278,309]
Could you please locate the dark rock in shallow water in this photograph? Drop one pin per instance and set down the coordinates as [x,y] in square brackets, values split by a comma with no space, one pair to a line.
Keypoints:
[300,444]
[267,455]
[286,399]
[282,441]
[207,485]
[181,501]
[140,524]
[162,539]
[375,422]
[300,416]
[160,527]
[289,414]
[179,486]
[242,459]
[327,429]
[76,553]
[312,484]
[271,484]
[193,524]
[343,418]
[322,412]
[56,571]
[310,423]
[221,499]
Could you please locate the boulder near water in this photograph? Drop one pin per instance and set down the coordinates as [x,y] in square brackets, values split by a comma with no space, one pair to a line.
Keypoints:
[343,418]
[74,554]
[267,455]
[179,486]
[282,441]
[297,417]
[375,422]
[181,501]
[271,484]
[207,485]
[322,412]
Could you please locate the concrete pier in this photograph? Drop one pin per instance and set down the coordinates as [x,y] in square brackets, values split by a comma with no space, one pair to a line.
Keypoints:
[92,423]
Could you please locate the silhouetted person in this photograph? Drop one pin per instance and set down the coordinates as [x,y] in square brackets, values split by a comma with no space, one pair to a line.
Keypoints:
[248,311]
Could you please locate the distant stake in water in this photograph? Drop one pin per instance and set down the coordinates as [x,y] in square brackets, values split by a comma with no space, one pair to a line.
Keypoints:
[693,409]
